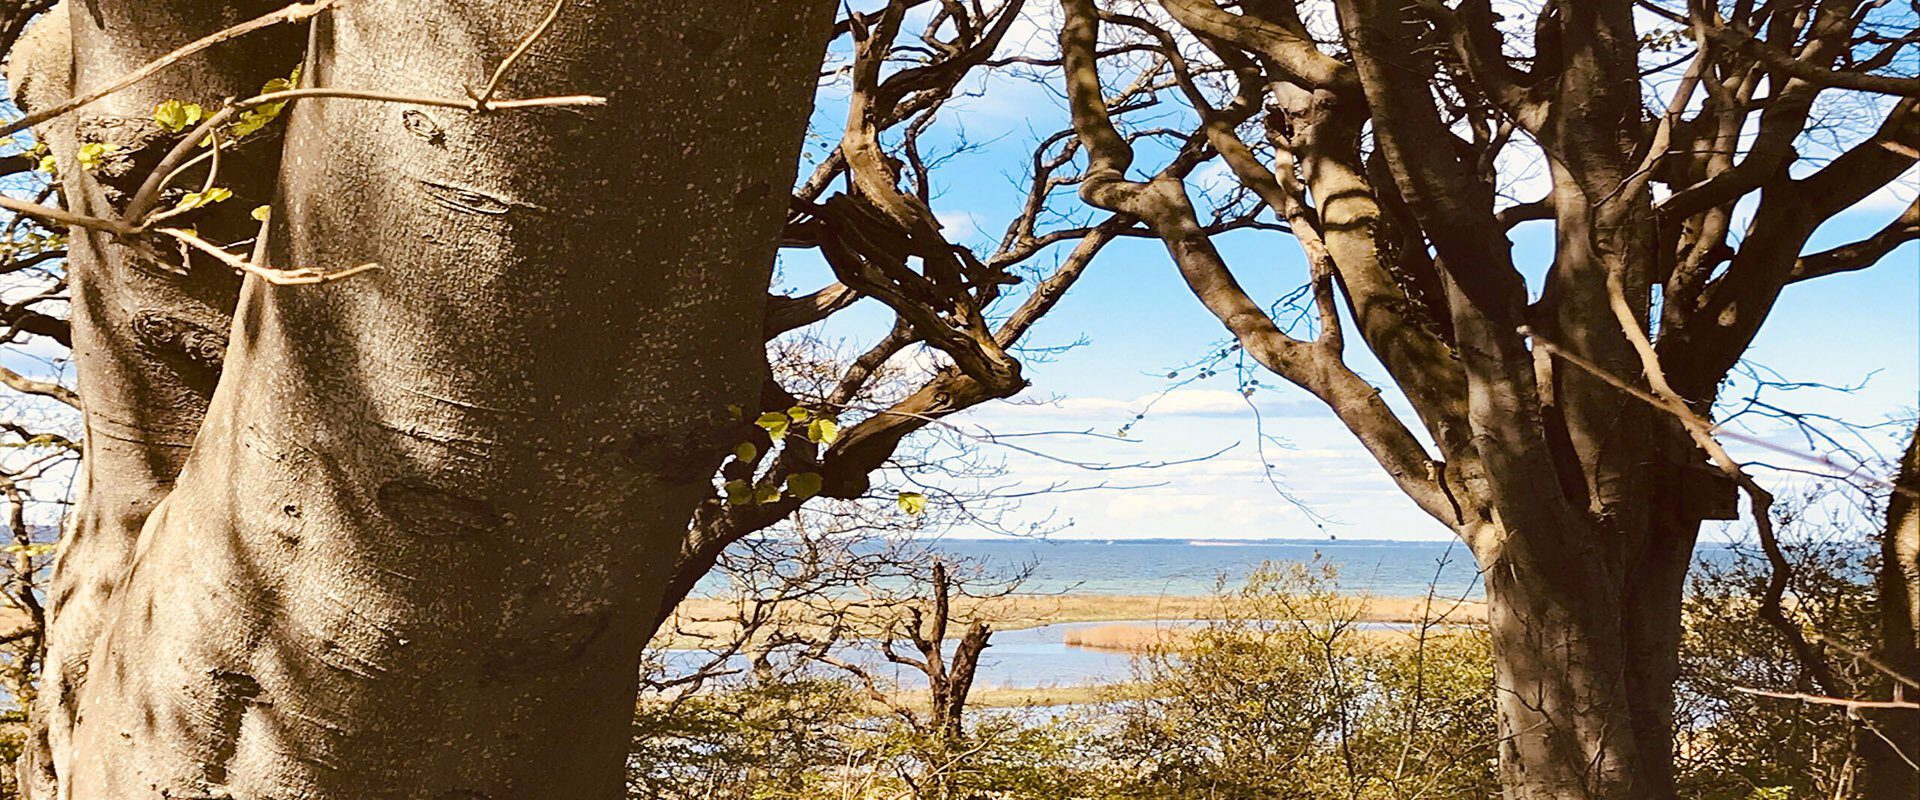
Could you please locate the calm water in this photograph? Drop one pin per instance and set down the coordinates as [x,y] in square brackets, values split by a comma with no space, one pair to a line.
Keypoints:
[1040,657]
[1031,658]
[1179,567]
[1195,567]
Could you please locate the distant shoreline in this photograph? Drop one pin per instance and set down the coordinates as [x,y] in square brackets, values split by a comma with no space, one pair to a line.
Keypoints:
[697,621]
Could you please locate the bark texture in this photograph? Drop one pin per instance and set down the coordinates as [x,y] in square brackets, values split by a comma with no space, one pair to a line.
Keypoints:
[420,535]
[148,341]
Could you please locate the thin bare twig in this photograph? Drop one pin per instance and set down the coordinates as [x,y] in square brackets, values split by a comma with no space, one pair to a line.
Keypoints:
[1823,700]
[292,13]
[299,276]
[481,100]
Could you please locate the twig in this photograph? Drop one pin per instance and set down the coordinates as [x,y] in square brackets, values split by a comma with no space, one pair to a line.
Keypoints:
[149,193]
[1685,413]
[481,100]
[1823,700]
[63,217]
[292,13]
[301,276]
[26,385]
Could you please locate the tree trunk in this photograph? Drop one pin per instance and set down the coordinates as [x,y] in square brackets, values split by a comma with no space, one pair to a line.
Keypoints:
[147,344]
[418,542]
[1891,745]
[1585,657]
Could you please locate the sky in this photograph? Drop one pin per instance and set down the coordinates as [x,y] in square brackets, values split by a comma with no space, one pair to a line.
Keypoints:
[1135,322]
[1275,464]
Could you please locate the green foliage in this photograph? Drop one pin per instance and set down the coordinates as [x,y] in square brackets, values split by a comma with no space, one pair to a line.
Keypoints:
[95,155]
[807,738]
[28,241]
[771,740]
[775,423]
[823,430]
[738,492]
[177,116]
[34,550]
[818,427]
[803,485]
[1285,695]
[1281,695]
[914,503]
[193,200]
[13,742]
[1737,746]
[42,158]
[245,123]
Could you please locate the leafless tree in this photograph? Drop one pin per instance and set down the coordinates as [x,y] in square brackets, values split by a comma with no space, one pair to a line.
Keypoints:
[1570,447]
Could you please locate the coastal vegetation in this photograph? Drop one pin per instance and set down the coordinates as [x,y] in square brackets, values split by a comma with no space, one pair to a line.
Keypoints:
[1278,689]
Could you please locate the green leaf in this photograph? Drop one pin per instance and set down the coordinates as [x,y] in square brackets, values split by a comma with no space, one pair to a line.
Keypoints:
[799,414]
[765,493]
[176,116]
[262,213]
[30,550]
[285,84]
[803,485]
[776,424]
[94,156]
[914,503]
[252,120]
[745,451]
[193,200]
[739,493]
[823,431]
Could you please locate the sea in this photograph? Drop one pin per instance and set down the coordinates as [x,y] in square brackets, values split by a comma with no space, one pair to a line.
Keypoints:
[1041,657]
[1192,567]
[1378,567]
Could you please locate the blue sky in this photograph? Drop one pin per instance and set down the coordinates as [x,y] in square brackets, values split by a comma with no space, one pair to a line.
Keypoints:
[1139,321]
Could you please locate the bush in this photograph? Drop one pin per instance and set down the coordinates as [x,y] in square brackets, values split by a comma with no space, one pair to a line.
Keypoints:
[756,740]
[1732,745]
[1286,695]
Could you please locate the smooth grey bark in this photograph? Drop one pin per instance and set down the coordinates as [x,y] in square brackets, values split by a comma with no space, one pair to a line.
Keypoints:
[417,544]
[147,342]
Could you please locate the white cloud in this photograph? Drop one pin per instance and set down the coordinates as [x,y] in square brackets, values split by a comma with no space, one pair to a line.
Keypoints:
[1175,403]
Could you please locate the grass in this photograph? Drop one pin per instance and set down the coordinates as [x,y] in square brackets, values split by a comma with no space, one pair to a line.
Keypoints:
[1039,697]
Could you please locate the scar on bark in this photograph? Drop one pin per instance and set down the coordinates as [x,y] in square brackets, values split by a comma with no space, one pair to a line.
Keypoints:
[561,644]
[162,330]
[233,693]
[468,200]
[433,511]
[423,125]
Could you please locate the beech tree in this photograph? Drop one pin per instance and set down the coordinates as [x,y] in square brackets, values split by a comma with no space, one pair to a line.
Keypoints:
[1561,427]
[391,536]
